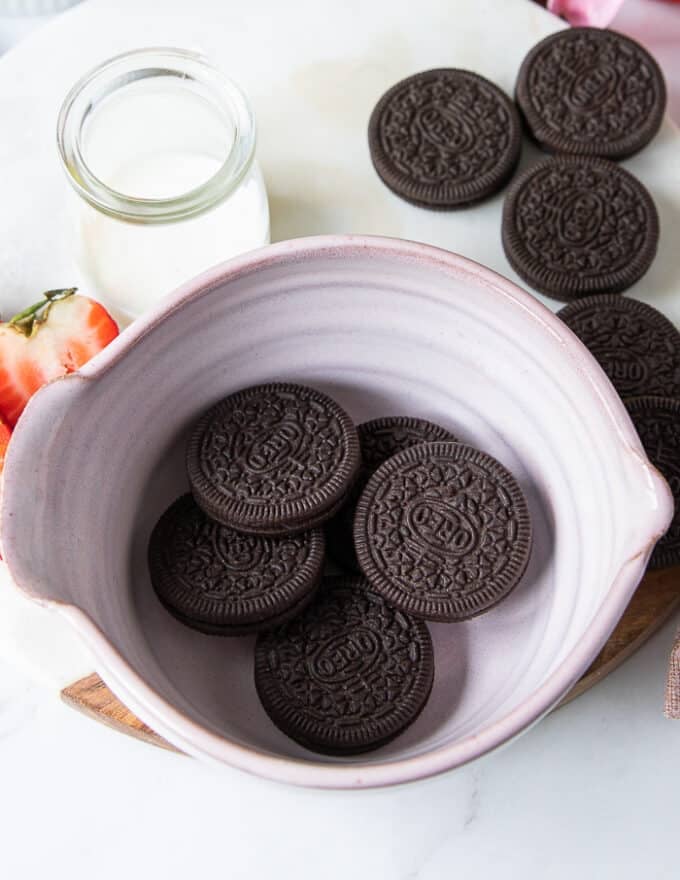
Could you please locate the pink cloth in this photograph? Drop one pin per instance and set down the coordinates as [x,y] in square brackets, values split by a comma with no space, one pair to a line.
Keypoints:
[656,24]
[597,13]
[673,683]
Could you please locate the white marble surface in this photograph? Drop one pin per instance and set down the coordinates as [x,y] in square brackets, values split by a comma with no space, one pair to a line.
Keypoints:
[591,791]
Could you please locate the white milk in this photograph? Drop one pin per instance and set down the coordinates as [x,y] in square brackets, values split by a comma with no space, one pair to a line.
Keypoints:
[138,137]
[131,266]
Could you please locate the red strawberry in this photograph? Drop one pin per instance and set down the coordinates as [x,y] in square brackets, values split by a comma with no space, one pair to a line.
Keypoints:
[5,434]
[49,339]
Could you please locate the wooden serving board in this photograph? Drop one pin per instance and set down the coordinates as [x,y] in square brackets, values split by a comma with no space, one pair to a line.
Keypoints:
[653,603]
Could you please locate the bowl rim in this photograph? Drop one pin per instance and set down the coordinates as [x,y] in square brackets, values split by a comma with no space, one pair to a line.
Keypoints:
[190,736]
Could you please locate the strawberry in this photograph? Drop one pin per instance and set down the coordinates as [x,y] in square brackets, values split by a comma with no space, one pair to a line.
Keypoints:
[5,434]
[54,337]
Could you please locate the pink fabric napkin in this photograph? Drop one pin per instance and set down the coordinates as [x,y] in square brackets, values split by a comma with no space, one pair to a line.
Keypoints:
[597,13]
[656,24]
[673,683]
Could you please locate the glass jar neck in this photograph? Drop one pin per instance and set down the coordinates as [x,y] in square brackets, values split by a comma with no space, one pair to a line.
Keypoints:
[121,122]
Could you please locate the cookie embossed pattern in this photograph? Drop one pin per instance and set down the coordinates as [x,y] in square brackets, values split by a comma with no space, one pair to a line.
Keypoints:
[223,582]
[379,440]
[657,421]
[273,459]
[443,531]
[636,346]
[349,674]
[591,92]
[574,226]
[444,138]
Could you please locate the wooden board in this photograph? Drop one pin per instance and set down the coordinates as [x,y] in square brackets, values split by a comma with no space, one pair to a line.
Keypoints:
[653,603]
[92,697]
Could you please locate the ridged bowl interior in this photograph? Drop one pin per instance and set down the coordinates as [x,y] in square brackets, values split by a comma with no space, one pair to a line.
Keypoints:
[386,328]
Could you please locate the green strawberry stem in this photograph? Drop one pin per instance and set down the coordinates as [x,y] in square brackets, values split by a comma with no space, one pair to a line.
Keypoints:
[25,322]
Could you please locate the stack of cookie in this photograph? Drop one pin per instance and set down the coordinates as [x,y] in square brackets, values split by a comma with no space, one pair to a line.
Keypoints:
[639,350]
[576,227]
[425,527]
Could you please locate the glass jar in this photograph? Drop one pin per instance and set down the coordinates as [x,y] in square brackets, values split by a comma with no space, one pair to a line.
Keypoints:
[159,147]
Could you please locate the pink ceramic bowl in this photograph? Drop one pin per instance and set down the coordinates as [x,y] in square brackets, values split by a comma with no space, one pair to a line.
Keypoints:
[386,327]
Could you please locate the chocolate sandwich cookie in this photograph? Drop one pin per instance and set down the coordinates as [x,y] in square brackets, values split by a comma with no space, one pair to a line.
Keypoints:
[636,346]
[226,583]
[574,227]
[273,459]
[444,138]
[591,92]
[657,421]
[347,675]
[442,531]
[379,440]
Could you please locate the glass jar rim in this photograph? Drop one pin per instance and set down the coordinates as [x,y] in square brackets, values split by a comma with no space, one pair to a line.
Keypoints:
[122,69]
